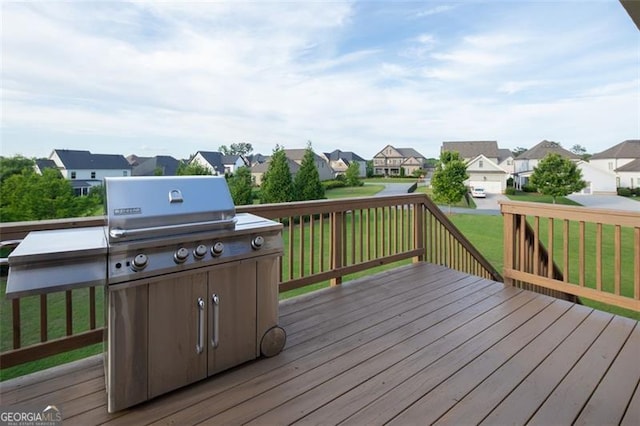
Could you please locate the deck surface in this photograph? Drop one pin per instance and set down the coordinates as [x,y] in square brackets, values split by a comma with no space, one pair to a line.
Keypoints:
[419,344]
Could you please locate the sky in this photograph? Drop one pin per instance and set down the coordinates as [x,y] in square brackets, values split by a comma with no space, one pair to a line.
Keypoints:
[173,78]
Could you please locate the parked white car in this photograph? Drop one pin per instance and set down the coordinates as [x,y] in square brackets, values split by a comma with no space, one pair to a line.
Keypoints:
[478,193]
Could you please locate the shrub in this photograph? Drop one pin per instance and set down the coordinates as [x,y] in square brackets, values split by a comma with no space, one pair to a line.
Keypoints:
[624,192]
[332,184]
[412,188]
[510,191]
[510,182]
[637,191]
[529,188]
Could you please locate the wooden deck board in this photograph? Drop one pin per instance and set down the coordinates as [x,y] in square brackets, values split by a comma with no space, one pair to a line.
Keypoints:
[420,343]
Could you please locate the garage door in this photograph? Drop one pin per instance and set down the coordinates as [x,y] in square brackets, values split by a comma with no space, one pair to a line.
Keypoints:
[489,187]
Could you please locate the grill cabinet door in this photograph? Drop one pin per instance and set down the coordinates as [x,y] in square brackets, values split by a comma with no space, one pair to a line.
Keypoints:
[175,322]
[234,286]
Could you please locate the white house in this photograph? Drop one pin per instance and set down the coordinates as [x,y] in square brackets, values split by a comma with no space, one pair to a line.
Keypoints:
[485,173]
[616,159]
[86,170]
[488,166]
[628,176]
[217,163]
[598,181]
[525,162]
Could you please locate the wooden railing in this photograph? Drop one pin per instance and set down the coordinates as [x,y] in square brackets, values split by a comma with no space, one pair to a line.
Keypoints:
[586,253]
[325,241]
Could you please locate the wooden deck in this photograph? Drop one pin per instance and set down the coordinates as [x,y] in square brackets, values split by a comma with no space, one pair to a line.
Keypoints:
[418,344]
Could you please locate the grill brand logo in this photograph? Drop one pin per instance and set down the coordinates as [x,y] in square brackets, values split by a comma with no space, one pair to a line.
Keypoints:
[26,415]
[127,211]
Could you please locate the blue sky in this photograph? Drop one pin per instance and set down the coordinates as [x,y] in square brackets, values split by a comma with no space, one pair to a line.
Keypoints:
[172,78]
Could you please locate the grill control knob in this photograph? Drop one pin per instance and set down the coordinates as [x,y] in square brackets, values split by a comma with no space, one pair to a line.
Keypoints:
[181,255]
[257,242]
[139,262]
[200,251]
[217,249]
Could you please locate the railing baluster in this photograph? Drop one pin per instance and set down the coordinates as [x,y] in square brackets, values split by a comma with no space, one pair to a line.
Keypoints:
[551,223]
[44,321]
[599,256]
[322,242]
[636,278]
[581,253]
[291,246]
[69,311]
[565,242]
[92,308]
[618,259]
[15,311]
[353,238]
[301,254]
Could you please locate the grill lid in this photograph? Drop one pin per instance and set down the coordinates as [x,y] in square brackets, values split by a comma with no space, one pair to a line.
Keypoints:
[143,207]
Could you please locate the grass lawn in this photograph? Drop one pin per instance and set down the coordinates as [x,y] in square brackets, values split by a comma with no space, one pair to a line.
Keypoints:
[390,180]
[534,197]
[353,191]
[464,203]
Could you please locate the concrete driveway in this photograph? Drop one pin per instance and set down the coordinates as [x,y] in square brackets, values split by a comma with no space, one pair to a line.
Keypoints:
[394,188]
[613,202]
[489,203]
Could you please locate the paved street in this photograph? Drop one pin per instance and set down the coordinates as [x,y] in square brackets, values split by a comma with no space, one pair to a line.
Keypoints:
[613,202]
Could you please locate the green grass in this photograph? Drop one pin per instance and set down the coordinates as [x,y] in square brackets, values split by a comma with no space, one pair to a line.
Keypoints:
[353,191]
[466,202]
[407,180]
[534,197]
[484,232]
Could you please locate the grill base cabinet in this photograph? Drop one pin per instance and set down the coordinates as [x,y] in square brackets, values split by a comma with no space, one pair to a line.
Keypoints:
[173,330]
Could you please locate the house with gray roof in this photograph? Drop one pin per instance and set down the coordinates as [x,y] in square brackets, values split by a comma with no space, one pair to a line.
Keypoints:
[391,161]
[525,162]
[488,166]
[340,161]
[218,163]
[621,160]
[294,160]
[44,163]
[160,165]
[85,170]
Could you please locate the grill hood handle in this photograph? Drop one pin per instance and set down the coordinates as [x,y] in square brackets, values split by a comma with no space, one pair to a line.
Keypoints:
[118,233]
[7,243]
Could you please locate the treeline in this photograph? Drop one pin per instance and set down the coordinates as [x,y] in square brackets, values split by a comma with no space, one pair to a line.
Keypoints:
[26,195]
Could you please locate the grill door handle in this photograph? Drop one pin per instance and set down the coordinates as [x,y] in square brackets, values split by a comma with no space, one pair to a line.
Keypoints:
[200,344]
[215,302]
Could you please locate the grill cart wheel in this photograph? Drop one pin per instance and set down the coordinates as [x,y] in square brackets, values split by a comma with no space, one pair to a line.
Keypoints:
[273,341]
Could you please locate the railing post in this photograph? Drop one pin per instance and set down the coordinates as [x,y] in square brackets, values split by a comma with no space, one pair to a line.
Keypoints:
[418,231]
[508,246]
[337,244]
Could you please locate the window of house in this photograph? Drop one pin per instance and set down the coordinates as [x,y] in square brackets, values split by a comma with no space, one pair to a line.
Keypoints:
[481,164]
[610,165]
[509,162]
[93,175]
[73,175]
[124,173]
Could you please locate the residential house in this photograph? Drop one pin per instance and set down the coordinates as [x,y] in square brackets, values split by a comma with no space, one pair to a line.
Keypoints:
[397,161]
[259,169]
[294,159]
[488,166]
[598,181]
[160,165]
[525,162]
[340,161]
[324,170]
[86,170]
[134,160]
[218,163]
[628,176]
[44,163]
[617,159]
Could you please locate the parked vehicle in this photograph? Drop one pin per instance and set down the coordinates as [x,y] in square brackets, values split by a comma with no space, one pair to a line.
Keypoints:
[478,193]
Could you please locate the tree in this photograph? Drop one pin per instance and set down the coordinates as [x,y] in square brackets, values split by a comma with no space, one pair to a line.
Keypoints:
[557,176]
[30,196]
[277,186]
[307,185]
[580,151]
[240,187]
[370,168]
[192,169]
[14,165]
[519,150]
[448,178]
[352,175]
[241,148]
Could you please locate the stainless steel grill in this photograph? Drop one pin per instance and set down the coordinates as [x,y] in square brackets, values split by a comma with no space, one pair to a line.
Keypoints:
[191,286]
